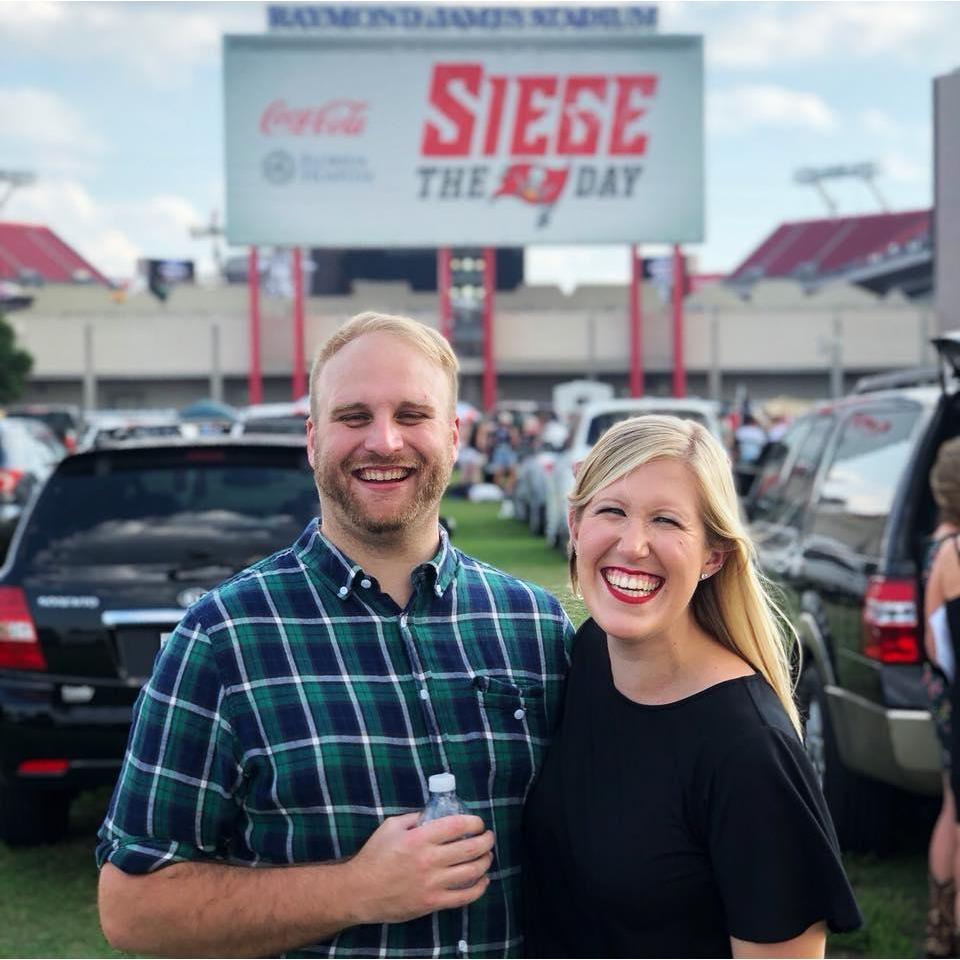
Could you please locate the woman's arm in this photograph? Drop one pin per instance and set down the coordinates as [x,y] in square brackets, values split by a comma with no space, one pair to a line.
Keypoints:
[811,943]
[932,598]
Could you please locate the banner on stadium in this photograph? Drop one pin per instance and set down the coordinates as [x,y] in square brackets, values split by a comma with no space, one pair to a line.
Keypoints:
[432,143]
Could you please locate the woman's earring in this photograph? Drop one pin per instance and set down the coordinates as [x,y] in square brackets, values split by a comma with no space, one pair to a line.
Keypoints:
[703,576]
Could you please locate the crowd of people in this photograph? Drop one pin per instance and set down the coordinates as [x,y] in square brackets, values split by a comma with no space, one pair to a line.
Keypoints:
[491,448]
[636,788]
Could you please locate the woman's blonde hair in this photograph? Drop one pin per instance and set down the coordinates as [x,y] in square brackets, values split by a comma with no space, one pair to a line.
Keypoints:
[734,605]
[945,480]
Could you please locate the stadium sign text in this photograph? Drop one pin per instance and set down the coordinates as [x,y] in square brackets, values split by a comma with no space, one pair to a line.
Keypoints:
[459,20]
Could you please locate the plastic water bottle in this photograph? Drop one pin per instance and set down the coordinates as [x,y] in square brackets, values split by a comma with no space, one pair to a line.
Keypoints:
[443,801]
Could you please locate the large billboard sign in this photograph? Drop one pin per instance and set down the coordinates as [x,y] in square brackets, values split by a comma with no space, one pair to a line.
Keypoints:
[347,143]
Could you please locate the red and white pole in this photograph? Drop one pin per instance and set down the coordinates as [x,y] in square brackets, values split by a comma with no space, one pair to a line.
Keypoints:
[298,385]
[679,282]
[444,277]
[489,364]
[636,322]
[254,379]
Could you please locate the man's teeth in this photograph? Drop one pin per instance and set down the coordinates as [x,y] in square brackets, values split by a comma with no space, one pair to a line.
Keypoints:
[397,473]
[631,582]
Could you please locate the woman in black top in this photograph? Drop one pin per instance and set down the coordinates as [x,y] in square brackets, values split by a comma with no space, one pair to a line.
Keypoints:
[677,814]
[941,576]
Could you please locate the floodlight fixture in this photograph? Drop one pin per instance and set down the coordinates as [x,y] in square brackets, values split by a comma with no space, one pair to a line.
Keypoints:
[13,179]
[865,171]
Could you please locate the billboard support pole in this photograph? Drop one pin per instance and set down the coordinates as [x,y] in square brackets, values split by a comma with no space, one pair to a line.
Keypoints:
[443,288]
[298,384]
[254,381]
[636,322]
[679,282]
[489,364]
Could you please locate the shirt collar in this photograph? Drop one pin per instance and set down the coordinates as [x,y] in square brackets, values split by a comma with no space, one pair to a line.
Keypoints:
[341,573]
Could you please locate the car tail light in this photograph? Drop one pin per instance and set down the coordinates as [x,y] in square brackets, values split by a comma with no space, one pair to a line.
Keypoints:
[890,621]
[8,481]
[70,441]
[52,767]
[19,647]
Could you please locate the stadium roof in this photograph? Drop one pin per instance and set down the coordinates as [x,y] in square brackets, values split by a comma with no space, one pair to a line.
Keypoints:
[31,255]
[878,251]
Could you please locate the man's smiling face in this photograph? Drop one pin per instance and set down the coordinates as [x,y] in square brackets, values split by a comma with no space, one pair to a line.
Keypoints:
[385,437]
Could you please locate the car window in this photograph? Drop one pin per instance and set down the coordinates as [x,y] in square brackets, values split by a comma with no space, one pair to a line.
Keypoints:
[765,495]
[185,514]
[857,492]
[784,499]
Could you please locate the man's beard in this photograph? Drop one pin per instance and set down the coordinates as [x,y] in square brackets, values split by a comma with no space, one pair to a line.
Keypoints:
[334,483]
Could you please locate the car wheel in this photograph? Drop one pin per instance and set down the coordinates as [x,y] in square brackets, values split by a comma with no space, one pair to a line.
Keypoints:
[863,809]
[31,816]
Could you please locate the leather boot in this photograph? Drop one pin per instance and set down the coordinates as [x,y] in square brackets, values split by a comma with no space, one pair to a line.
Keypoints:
[941,938]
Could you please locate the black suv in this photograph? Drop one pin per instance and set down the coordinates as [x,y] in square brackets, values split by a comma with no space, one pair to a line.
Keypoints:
[118,543]
[840,511]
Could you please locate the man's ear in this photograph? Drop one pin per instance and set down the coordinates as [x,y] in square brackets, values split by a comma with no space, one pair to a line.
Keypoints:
[310,447]
[573,522]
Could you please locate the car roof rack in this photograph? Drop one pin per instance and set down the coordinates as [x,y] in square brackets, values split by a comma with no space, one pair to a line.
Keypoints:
[916,377]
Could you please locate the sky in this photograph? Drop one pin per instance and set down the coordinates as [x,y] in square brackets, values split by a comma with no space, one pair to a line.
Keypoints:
[117,109]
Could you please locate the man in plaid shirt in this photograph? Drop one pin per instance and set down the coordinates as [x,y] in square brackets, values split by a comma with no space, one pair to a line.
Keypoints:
[281,750]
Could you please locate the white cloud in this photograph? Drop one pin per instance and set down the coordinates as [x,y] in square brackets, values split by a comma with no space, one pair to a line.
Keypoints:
[112,236]
[43,119]
[758,35]
[757,105]
[913,169]
[879,124]
[160,42]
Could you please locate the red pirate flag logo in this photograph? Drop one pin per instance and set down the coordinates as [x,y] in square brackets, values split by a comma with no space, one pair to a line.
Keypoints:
[534,184]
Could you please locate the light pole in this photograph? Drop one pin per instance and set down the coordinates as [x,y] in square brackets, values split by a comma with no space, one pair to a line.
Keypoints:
[13,179]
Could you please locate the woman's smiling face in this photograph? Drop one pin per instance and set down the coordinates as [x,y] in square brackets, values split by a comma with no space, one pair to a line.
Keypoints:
[641,548]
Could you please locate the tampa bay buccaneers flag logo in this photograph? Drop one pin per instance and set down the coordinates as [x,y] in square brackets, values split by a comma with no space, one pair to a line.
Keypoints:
[535,184]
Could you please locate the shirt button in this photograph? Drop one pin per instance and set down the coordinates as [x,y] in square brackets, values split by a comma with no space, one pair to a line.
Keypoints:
[365,583]
[519,714]
[462,946]
[342,592]
[423,694]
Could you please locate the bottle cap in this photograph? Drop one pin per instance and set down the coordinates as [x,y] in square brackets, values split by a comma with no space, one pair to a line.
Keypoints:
[443,783]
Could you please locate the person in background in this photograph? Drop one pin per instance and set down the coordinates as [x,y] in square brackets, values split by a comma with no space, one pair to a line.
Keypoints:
[677,814]
[941,576]
[294,716]
[503,458]
[750,439]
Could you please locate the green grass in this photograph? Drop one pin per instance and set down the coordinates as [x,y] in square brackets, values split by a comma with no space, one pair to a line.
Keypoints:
[48,894]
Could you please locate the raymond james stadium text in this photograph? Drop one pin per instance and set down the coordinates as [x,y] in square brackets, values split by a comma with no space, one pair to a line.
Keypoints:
[404,17]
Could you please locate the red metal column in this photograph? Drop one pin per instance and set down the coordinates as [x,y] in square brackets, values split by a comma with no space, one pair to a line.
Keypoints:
[489,364]
[443,288]
[299,380]
[636,322]
[679,282]
[254,381]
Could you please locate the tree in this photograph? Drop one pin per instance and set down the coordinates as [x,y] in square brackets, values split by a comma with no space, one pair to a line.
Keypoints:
[15,363]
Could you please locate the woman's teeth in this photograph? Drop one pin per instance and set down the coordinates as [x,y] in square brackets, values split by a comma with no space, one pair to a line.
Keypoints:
[632,583]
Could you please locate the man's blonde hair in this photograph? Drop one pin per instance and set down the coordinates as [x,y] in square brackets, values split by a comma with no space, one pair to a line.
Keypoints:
[421,337]
[735,605]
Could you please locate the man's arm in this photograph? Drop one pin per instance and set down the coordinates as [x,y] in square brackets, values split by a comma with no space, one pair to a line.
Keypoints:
[212,909]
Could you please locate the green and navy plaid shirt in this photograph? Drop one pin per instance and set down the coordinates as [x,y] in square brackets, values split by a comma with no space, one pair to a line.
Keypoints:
[297,706]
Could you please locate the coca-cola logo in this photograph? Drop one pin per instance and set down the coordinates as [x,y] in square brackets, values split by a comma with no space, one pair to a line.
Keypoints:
[335,118]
